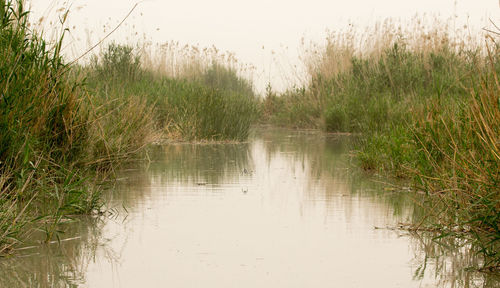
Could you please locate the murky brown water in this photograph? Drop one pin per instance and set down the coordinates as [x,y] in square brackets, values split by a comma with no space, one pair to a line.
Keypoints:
[283,210]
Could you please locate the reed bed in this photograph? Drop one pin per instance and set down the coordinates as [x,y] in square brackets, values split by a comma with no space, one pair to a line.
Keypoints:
[174,60]
[195,101]
[424,98]
[41,131]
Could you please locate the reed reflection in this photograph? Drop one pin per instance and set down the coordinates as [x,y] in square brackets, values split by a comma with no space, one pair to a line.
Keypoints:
[448,262]
[60,263]
[201,163]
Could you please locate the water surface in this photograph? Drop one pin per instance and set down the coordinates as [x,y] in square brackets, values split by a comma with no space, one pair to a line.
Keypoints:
[286,209]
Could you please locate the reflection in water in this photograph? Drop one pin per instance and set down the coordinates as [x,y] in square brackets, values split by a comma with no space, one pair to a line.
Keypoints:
[59,264]
[448,262]
[283,210]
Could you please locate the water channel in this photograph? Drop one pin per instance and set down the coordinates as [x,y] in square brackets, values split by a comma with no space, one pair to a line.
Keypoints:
[285,209]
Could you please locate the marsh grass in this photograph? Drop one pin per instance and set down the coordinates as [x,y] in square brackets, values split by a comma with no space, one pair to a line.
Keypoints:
[174,60]
[460,165]
[295,108]
[208,103]
[55,138]
[426,104]
[39,114]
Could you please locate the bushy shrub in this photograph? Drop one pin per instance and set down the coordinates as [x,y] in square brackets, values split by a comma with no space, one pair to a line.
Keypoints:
[119,62]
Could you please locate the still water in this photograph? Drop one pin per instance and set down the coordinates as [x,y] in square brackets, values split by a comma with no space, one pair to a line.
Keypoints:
[285,209]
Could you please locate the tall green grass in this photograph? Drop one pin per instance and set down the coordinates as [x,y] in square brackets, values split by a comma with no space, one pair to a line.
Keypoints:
[297,108]
[215,104]
[459,163]
[53,134]
[427,109]
[41,129]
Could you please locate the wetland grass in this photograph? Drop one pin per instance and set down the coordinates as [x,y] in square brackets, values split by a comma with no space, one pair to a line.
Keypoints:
[211,104]
[41,131]
[426,105]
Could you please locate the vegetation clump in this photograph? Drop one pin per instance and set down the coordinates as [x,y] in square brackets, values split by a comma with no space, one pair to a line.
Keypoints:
[43,133]
[215,104]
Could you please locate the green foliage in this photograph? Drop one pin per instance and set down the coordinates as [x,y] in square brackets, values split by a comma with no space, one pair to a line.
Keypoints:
[216,105]
[222,78]
[38,102]
[50,128]
[117,62]
[200,112]
[41,129]
[293,108]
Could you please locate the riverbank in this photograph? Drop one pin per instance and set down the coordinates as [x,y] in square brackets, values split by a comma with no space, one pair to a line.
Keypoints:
[64,128]
[427,106]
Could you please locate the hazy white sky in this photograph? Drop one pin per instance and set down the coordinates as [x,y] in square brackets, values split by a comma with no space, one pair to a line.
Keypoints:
[244,27]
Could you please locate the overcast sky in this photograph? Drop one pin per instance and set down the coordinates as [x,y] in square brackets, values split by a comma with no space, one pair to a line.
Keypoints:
[244,27]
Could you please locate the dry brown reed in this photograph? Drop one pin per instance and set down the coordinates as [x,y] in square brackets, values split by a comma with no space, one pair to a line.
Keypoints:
[421,34]
[175,60]
[119,128]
